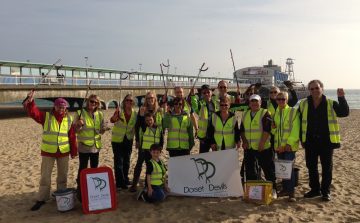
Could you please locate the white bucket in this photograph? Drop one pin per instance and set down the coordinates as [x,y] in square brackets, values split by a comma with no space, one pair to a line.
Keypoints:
[283,169]
[65,199]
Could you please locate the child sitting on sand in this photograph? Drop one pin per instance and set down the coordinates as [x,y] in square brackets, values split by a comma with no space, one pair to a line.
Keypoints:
[156,185]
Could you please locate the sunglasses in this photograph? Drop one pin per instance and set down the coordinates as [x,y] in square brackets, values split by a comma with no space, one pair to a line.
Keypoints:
[224,105]
[254,100]
[273,92]
[93,102]
[280,99]
[206,92]
[129,100]
[222,87]
[314,88]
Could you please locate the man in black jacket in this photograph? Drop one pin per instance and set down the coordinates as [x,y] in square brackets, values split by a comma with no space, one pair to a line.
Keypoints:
[320,135]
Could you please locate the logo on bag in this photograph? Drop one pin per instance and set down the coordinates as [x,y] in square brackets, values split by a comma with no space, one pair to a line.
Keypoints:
[99,183]
[205,169]
[64,201]
[282,167]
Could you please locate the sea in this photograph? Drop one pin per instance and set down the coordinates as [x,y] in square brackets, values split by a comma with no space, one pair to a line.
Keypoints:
[14,109]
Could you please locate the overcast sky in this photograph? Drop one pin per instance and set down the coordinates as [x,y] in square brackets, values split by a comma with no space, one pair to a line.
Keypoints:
[322,36]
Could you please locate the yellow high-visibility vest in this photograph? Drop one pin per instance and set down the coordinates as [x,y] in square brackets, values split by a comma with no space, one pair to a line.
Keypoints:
[224,131]
[90,132]
[122,128]
[54,135]
[270,108]
[178,136]
[254,129]
[287,128]
[149,137]
[334,128]
[158,173]
[187,107]
[204,118]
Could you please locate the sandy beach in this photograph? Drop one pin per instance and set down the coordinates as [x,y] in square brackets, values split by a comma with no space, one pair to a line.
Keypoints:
[20,164]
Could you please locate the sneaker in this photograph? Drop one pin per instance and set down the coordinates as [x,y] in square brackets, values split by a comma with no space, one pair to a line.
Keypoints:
[312,193]
[274,194]
[141,195]
[37,205]
[326,197]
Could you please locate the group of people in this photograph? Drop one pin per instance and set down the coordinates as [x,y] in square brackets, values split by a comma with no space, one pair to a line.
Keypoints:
[266,128]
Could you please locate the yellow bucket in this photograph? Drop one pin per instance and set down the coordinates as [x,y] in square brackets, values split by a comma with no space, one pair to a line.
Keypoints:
[258,191]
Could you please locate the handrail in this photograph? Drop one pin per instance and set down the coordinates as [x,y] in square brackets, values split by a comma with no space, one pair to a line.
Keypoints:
[68,81]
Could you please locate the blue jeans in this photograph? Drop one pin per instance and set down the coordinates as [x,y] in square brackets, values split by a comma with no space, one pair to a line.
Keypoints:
[157,195]
[288,185]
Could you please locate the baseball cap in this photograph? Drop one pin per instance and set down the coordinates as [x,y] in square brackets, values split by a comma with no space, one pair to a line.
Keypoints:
[255,97]
[61,102]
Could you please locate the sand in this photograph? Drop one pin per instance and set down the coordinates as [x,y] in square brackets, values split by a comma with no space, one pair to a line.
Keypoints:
[20,173]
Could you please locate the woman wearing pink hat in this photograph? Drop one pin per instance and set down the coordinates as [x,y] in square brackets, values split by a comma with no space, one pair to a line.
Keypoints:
[58,142]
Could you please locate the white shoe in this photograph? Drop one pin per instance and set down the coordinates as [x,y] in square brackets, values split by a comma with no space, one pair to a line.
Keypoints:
[274,194]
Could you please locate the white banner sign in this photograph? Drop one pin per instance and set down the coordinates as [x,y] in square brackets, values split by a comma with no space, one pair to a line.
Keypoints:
[213,174]
[98,191]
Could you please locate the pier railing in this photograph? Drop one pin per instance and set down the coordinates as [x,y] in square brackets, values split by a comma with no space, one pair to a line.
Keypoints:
[73,81]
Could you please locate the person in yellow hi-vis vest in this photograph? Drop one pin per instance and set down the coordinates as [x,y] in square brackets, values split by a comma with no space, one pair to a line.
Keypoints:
[320,135]
[285,128]
[89,127]
[222,89]
[156,184]
[179,93]
[255,134]
[58,142]
[204,108]
[223,130]
[122,140]
[180,138]
[149,133]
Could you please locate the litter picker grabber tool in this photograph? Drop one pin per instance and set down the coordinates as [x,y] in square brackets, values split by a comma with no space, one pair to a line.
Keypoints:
[167,72]
[200,70]
[82,104]
[43,78]
[237,82]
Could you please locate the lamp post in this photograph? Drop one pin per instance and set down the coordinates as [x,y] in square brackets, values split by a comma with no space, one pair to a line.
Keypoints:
[86,66]
[140,64]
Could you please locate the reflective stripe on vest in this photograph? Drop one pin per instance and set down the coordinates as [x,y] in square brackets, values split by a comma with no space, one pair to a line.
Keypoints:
[334,128]
[54,135]
[270,108]
[254,129]
[158,173]
[149,137]
[284,126]
[178,137]
[122,128]
[90,132]
[224,131]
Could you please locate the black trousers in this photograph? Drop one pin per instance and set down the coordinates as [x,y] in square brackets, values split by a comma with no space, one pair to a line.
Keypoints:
[122,152]
[143,155]
[312,153]
[265,159]
[83,164]
[204,146]
[84,161]
[178,152]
